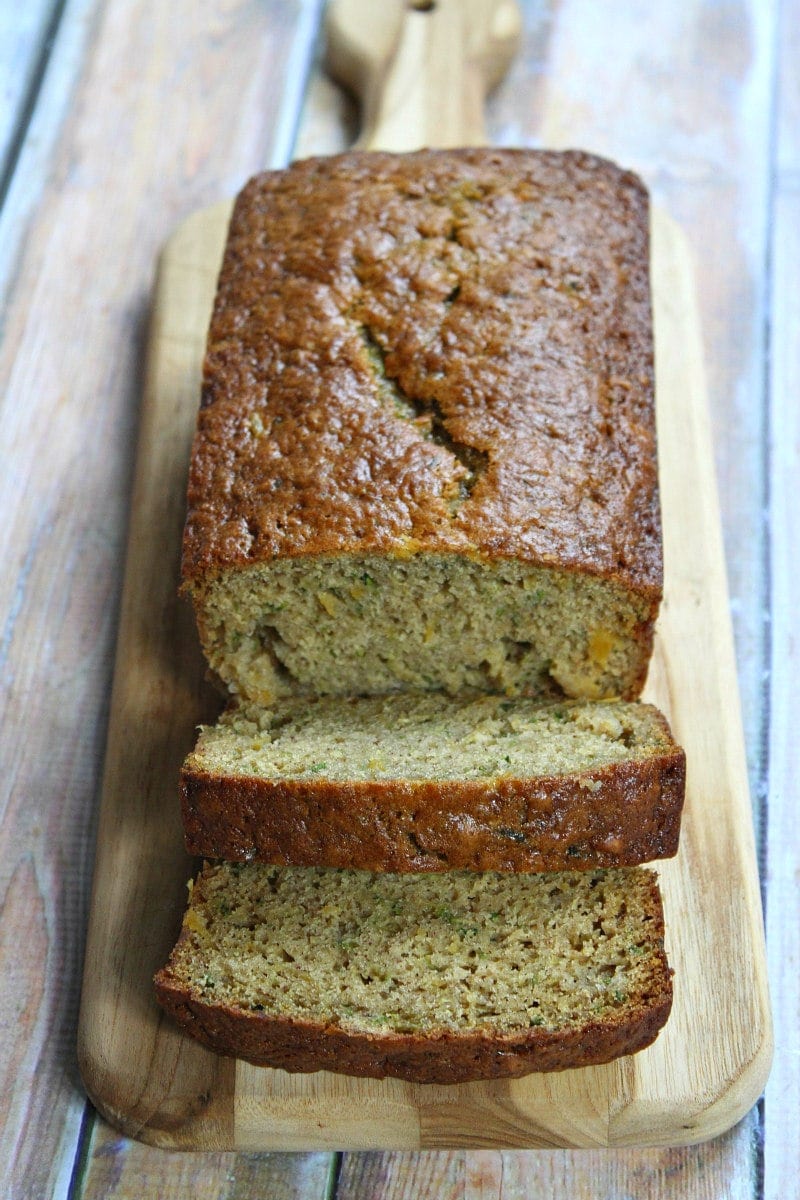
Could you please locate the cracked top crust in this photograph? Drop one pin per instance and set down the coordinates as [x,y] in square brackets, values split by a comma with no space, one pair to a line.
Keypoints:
[444,352]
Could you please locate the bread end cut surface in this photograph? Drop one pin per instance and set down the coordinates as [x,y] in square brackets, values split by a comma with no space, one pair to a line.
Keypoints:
[443,979]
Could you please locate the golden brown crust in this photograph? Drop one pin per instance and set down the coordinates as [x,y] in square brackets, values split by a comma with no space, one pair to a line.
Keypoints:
[441,1057]
[445,352]
[619,815]
[444,1058]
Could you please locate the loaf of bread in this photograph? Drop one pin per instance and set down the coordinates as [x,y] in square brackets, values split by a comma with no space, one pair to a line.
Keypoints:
[423,547]
[426,453]
[434,978]
[423,782]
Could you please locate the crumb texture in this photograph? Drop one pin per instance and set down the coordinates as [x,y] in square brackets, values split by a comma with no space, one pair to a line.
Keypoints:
[429,737]
[353,626]
[472,956]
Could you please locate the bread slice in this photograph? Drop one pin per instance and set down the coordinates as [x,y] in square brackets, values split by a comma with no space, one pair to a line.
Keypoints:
[434,979]
[433,783]
[426,453]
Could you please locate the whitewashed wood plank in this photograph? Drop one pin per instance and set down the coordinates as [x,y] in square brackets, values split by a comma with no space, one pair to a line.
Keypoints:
[35,159]
[782,1148]
[723,1168]
[120,1170]
[299,70]
[782,1099]
[26,34]
[139,120]
[437,1175]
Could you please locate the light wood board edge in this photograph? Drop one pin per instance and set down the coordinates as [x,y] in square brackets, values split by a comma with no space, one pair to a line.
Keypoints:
[710,1063]
[421,72]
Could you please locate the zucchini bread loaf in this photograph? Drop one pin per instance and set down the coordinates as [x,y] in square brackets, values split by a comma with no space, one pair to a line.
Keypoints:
[424,782]
[426,453]
[433,978]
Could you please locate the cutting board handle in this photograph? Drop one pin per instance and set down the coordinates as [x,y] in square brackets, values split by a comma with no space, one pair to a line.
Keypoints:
[421,68]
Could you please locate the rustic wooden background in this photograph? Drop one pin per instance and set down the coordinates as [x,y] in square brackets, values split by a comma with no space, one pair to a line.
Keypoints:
[119,118]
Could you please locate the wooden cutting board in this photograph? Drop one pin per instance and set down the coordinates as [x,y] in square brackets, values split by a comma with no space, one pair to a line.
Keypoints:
[708,1066]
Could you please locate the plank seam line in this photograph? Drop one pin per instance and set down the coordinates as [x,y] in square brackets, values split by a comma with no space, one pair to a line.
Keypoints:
[334,1171]
[299,69]
[81,1160]
[31,96]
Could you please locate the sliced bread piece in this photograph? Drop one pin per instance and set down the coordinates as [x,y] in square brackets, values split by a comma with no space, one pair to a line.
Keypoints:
[421,782]
[433,979]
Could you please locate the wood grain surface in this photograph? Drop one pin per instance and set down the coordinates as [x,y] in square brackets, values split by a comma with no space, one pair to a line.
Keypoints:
[421,71]
[134,108]
[708,1066]
[781,859]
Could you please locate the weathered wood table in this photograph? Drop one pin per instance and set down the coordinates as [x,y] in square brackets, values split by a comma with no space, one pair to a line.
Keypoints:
[120,119]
